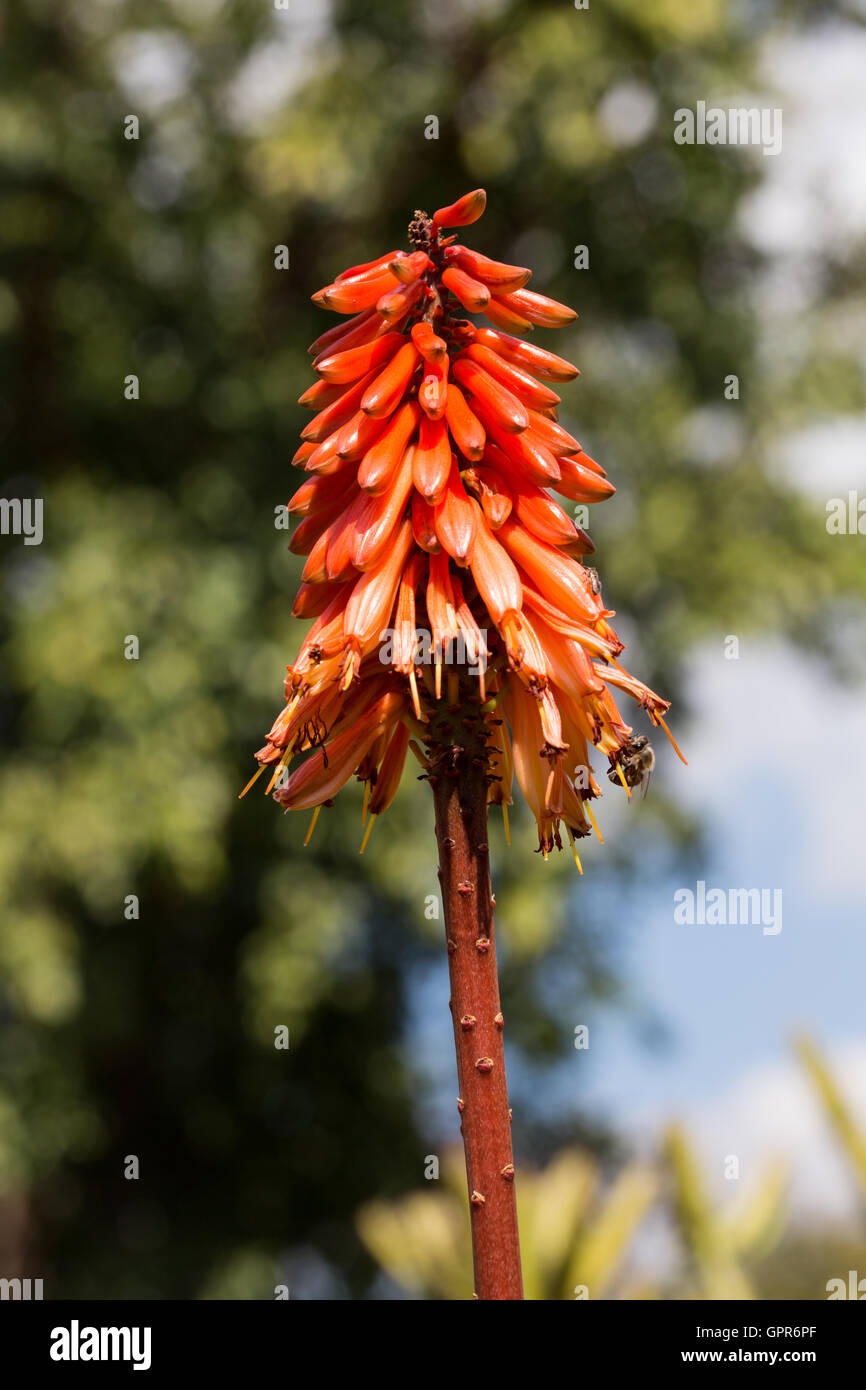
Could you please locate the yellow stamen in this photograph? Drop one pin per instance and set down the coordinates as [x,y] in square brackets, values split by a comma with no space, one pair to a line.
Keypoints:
[624,782]
[364,805]
[312,825]
[438,680]
[255,777]
[413,686]
[505,823]
[672,739]
[574,851]
[366,835]
[588,809]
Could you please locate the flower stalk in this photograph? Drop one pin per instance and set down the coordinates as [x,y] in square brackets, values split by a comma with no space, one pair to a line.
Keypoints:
[460,778]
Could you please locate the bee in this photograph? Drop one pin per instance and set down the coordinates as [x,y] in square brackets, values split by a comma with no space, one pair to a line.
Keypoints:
[594,581]
[637,764]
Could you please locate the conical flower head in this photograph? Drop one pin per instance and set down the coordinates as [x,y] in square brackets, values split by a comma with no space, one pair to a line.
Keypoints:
[450,598]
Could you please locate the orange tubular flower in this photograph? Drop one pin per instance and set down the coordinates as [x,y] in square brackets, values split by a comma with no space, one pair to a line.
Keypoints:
[445,583]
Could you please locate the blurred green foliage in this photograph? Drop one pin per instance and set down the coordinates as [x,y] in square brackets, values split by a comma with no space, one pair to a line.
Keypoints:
[847,1132]
[572,1235]
[808,1259]
[587,1235]
[715,1244]
[155,257]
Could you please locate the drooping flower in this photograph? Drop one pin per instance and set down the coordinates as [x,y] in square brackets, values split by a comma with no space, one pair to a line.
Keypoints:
[442,576]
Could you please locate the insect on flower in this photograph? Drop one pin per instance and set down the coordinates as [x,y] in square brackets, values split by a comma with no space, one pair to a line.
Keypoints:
[432,457]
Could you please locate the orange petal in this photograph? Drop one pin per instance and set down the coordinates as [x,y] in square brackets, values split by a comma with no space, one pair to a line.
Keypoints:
[473,295]
[407,268]
[320,394]
[318,780]
[466,210]
[348,296]
[377,522]
[441,606]
[306,450]
[558,440]
[366,332]
[313,599]
[432,462]
[475,640]
[396,304]
[423,527]
[391,770]
[580,484]
[340,330]
[431,347]
[543,517]
[338,412]
[527,739]
[325,459]
[508,412]
[357,436]
[382,458]
[502,278]
[320,490]
[315,570]
[339,556]
[385,393]
[371,600]
[537,308]
[553,572]
[433,391]
[492,492]
[360,272]
[535,359]
[348,365]
[526,450]
[524,386]
[455,519]
[466,429]
[498,312]
[495,573]
[405,639]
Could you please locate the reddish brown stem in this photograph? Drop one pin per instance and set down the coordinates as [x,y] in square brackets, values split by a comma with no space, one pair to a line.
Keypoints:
[460,792]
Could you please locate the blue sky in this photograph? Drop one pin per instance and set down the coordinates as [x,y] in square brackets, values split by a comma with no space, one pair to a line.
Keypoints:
[782,799]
